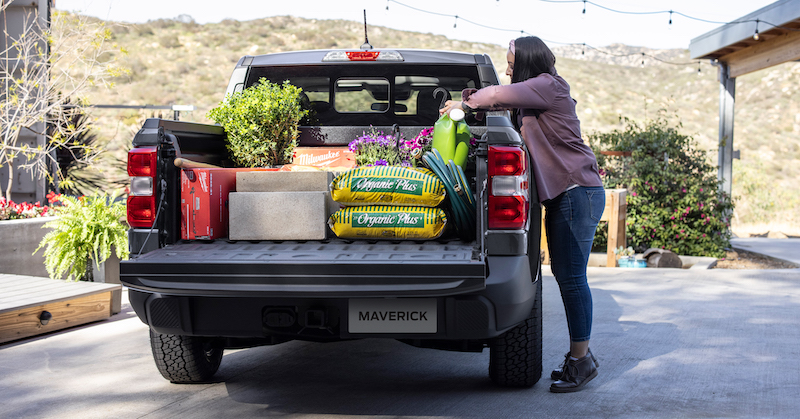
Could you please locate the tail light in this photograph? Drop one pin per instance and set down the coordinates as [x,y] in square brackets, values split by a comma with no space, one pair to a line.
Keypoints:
[509,200]
[142,199]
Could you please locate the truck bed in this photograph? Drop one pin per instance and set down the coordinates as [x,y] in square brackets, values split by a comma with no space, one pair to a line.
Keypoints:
[313,268]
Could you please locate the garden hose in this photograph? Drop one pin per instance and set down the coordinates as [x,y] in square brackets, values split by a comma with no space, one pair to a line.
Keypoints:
[462,201]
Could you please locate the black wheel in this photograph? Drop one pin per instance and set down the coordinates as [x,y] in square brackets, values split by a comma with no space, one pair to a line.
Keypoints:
[515,357]
[186,359]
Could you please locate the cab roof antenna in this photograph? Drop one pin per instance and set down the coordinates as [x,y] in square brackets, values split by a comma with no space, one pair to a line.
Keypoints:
[366,45]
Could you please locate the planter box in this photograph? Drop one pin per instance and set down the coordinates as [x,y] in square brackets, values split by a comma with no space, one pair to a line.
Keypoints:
[18,240]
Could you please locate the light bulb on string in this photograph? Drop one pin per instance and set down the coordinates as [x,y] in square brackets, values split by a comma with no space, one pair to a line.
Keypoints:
[698,68]
[455,22]
[670,19]
[755,35]
[583,49]
[584,8]
[642,60]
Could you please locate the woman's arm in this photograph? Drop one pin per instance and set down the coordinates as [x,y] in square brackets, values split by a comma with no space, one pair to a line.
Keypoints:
[535,93]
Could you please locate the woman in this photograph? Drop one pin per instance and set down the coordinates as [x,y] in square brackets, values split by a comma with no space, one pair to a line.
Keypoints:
[567,180]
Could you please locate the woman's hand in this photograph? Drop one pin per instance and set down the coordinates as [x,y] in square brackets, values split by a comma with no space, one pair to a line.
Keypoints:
[450,105]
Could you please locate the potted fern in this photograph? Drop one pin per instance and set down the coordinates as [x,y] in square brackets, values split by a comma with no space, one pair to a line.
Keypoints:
[87,230]
[262,123]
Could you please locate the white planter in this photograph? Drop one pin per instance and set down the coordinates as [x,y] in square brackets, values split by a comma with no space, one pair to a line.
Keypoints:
[18,240]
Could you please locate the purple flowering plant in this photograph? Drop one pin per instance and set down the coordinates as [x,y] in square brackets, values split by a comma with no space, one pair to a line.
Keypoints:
[374,148]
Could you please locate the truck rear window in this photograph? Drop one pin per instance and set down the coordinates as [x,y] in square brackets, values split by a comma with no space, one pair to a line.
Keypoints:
[372,94]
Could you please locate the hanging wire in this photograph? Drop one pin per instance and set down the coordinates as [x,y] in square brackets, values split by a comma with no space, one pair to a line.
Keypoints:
[624,12]
[584,45]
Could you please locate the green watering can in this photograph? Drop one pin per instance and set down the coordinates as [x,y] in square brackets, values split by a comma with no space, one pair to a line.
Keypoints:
[451,137]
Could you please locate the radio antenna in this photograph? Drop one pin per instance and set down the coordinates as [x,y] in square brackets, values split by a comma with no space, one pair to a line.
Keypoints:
[366,45]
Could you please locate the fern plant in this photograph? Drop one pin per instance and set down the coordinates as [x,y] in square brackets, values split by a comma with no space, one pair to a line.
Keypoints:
[86,230]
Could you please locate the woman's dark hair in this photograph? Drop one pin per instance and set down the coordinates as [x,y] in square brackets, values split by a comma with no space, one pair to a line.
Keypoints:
[531,58]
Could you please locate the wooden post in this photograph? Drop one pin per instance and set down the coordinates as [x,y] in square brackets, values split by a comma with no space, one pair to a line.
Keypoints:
[614,212]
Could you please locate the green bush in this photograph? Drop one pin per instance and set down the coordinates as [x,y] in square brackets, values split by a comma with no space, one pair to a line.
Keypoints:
[674,201]
[261,123]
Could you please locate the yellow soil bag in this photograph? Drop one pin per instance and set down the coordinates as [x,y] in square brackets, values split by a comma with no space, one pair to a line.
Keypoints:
[388,185]
[386,222]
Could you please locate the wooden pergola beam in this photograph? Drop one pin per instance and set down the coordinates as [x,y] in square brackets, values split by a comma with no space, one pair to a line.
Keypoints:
[778,50]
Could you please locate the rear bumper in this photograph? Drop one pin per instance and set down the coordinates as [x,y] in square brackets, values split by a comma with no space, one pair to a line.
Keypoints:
[469,306]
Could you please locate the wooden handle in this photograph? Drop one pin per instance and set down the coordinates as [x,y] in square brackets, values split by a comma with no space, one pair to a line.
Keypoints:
[189,164]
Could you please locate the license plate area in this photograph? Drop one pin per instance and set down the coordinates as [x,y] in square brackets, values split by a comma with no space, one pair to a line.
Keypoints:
[392,315]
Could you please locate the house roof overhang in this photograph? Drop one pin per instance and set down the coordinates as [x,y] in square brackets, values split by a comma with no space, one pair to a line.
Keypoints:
[734,44]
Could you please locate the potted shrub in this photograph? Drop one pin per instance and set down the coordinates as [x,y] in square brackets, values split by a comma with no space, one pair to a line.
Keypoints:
[87,230]
[262,123]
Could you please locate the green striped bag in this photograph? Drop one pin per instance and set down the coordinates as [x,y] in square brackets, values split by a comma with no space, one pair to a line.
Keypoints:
[388,185]
[386,222]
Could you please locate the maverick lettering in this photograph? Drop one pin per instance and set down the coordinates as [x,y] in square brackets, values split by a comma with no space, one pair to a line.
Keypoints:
[372,184]
[393,316]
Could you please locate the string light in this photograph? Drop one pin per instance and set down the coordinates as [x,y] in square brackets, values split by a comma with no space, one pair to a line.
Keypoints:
[755,35]
[584,45]
[670,18]
[698,68]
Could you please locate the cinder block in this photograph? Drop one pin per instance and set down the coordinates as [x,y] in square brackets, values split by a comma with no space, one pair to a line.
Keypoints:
[280,215]
[283,181]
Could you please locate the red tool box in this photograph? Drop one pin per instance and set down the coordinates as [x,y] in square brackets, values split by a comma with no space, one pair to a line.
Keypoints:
[204,202]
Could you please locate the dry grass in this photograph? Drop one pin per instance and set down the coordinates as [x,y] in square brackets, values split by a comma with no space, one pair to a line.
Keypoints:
[186,63]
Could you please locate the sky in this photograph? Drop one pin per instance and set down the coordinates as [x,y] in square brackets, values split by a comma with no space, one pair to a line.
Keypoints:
[558,22]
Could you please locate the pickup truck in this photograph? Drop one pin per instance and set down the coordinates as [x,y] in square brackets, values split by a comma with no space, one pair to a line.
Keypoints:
[200,297]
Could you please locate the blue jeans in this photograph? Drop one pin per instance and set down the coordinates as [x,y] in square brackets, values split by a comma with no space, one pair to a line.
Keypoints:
[570,221]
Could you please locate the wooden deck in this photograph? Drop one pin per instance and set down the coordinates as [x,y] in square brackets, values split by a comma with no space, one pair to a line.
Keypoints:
[24,298]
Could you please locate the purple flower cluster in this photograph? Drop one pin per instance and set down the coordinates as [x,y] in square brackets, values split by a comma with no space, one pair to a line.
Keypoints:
[374,148]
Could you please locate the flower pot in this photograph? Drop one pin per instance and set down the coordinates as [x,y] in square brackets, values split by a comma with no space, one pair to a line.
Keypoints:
[631,262]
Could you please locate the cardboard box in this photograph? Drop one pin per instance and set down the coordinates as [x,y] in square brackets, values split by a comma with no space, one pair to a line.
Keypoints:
[339,157]
[204,202]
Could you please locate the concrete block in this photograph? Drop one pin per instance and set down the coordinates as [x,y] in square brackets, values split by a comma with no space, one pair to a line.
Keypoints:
[283,181]
[280,215]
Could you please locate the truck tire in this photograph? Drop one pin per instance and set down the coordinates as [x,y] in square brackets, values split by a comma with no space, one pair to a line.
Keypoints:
[515,357]
[186,359]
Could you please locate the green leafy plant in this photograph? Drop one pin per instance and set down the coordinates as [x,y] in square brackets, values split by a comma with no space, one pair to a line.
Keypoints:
[86,230]
[262,123]
[674,201]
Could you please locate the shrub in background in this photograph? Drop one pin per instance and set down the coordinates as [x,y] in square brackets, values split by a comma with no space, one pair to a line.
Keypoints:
[262,123]
[674,201]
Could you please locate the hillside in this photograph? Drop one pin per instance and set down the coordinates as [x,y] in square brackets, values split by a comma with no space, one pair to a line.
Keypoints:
[182,62]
